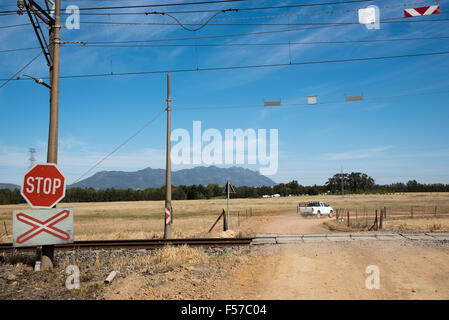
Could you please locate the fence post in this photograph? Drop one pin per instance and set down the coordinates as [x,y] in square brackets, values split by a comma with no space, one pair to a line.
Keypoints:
[238,218]
[224,220]
[348,218]
[435,211]
[381,218]
[385,212]
[356,220]
[376,225]
[411,212]
[6,229]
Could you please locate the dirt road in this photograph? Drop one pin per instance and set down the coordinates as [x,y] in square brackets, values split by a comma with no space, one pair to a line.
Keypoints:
[337,270]
[289,222]
[321,270]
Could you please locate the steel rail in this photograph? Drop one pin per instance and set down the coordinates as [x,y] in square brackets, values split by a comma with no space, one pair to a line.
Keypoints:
[138,244]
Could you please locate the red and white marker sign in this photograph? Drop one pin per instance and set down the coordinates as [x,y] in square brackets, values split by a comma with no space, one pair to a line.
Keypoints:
[43,186]
[422,11]
[42,227]
[167,216]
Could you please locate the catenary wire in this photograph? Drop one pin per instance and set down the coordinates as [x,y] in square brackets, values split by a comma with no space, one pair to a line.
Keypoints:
[307,104]
[235,34]
[121,145]
[365,92]
[260,43]
[249,66]
[21,69]
[204,10]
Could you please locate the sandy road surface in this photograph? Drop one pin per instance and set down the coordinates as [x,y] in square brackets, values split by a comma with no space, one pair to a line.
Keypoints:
[336,270]
[315,270]
[286,223]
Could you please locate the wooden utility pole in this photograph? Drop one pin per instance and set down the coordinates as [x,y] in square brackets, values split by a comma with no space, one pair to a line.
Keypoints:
[168,208]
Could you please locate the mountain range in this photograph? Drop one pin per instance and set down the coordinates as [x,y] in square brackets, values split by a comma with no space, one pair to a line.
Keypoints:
[150,178]
[9,186]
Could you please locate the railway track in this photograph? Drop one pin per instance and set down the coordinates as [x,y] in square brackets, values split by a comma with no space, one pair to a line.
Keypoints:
[138,244]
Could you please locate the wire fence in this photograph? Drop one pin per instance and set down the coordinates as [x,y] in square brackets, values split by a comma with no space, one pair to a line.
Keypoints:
[374,218]
[236,218]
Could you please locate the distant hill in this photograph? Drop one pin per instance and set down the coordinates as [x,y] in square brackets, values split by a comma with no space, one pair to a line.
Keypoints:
[9,186]
[150,178]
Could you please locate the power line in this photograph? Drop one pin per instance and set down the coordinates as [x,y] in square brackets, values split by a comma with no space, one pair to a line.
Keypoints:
[19,49]
[15,25]
[162,5]
[307,104]
[444,84]
[267,8]
[117,23]
[250,66]
[240,9]
[263,43]
[241,44]
[201,25]
[178,22]
[237,34]
[204,10]
[267,17]
[121,145]
[83,45]
[149,6]
[23,68]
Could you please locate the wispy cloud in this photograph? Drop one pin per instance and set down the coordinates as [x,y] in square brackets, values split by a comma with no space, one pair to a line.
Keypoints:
[358,154]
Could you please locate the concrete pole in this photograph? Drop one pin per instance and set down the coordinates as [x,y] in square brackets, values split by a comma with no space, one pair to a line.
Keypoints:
[52,148]
[168,207]
[228,186]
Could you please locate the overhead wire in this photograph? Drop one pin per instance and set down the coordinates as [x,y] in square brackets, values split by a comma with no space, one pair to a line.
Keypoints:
[19,49]
[262,43]
[260,17]
[308,104]
[148,6]
[250,66]
[202,25]
[21,69]
[202,10]
[240,34]
[122,144]
[435,85]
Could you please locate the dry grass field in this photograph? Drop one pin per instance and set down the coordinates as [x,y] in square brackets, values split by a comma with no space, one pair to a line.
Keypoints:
[193,218]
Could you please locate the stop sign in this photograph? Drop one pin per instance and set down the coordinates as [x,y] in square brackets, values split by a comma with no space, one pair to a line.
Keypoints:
[43,186]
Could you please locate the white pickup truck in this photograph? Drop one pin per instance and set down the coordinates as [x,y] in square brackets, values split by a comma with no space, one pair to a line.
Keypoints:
[316,208]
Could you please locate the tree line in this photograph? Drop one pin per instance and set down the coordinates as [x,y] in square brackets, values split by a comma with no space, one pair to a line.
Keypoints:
[349,183]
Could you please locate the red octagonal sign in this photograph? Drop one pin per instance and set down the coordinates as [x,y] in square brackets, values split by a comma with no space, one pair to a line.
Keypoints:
[43,186]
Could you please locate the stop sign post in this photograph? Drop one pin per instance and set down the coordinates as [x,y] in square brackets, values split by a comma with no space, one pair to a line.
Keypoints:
[43,186]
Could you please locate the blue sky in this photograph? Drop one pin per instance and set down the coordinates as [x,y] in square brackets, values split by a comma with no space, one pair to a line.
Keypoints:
[390,138]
